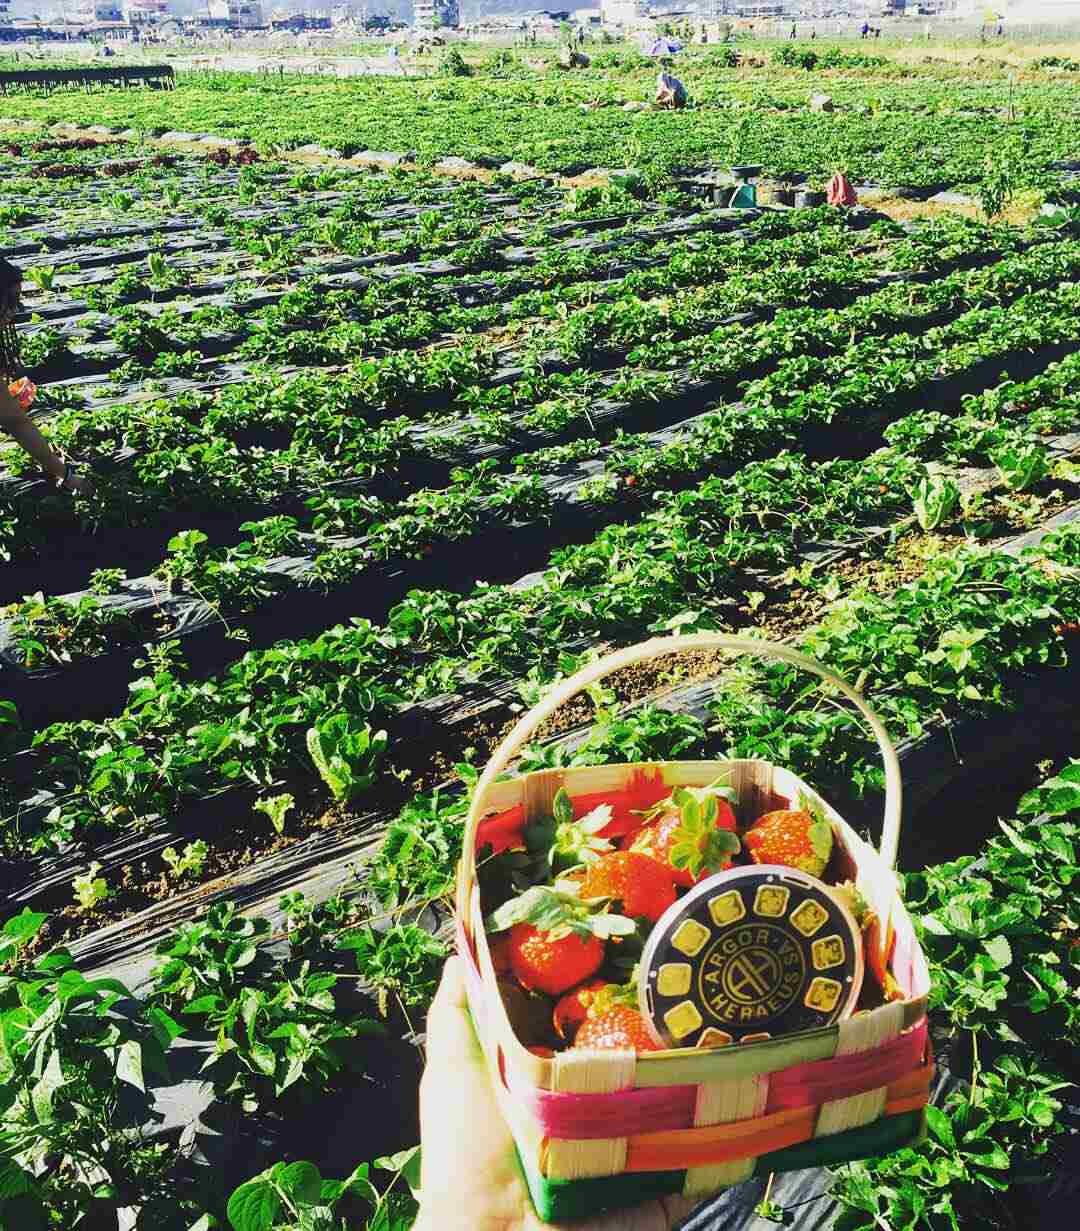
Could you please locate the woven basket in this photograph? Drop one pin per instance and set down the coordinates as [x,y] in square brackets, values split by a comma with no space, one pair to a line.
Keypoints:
[599,1130]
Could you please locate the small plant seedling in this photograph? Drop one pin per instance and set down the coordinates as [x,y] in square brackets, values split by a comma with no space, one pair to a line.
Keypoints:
[936,499]
[42,276]
[90,889]
[277,808]
[190,863]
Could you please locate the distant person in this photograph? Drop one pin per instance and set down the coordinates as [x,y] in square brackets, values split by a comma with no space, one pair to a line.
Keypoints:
[670,92]
[813,35]
[864,31]
[16,394]
[877,32]
[794,31]
[839,191]
[1000,30]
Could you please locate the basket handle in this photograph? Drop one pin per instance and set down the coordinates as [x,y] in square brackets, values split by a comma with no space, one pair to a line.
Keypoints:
[658,647]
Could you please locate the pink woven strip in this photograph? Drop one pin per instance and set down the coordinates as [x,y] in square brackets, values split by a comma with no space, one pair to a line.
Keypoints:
[666,1108]
[588,1117]
[821,1081]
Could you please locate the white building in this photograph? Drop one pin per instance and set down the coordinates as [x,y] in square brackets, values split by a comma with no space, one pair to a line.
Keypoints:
[620,12]
[1040,12]
[146,12]
[432,14]
[246,14]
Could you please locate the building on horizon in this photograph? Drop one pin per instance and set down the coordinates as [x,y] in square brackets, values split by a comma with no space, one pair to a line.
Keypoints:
[620,12]
[146,12]
[436,14]
[238,14]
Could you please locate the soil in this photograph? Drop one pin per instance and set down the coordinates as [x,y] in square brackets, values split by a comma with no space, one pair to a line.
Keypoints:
[1021,211]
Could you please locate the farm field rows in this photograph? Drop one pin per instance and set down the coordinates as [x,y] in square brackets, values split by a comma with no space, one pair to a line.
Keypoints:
[930,126]
[381,455]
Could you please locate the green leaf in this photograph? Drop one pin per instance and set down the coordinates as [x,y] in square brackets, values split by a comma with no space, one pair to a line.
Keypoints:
[607,925]
[129,1064]
[821,839]
[562,809]
[254,1206]
[940,1126]
[263,1058]
[41,1096]
[277,808]
[301,1181]
[165,1028]
[14,1181]
[989,1154]
[24,926]
[406,1162]
[1000,951]
[203,1005]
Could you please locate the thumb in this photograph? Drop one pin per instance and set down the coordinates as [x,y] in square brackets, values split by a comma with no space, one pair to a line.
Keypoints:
[450,1035]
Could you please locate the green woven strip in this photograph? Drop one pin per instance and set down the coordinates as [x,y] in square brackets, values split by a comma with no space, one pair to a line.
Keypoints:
[883,1136]
[556,1200]
[692,1067]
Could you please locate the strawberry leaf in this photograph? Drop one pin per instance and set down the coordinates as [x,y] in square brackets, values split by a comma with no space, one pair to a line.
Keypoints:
[606,925]
[541,906]
[552,910]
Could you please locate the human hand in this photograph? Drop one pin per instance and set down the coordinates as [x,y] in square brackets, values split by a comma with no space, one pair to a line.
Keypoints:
[470,1176]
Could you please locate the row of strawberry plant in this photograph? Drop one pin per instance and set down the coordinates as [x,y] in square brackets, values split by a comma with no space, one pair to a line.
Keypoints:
[491,414]
[236,579]
[242,577]
[571,602]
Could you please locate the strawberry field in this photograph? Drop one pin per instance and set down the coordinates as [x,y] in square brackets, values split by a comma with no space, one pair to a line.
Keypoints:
[381,454]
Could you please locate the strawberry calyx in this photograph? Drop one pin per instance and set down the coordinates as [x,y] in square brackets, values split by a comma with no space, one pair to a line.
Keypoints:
[699,845]
[559,914]
[821,834]
[853,899]
[717,789]
[611,996]
[578,841]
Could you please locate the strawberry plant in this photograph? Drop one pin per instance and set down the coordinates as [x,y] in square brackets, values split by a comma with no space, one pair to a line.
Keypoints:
[276,1027]
[69,1151]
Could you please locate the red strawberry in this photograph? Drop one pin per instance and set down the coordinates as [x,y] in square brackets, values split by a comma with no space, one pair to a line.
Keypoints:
[644,887]
[550,963]
[556,940]
[693,833]
[618,1028]
[796,838]
[573,1008]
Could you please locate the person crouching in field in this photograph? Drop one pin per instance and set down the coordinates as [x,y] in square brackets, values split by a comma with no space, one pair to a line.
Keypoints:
[16,393]
[670,92]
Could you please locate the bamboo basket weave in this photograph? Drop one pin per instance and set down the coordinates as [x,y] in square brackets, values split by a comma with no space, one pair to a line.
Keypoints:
[596,1130]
